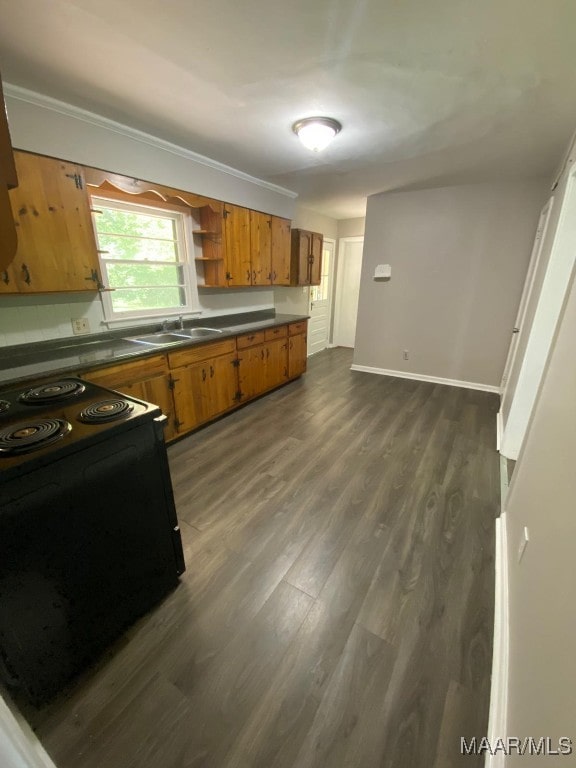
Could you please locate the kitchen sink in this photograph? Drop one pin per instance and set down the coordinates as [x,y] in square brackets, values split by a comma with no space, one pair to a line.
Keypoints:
[157,339]
[197,333]
[162,338]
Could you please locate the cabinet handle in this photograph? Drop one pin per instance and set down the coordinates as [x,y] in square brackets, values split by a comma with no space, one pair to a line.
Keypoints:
[26,274]
[267,353]
[274,276]
[211,372]
[248,275]
[262,354]
[253,277]
[203,375]
[5,277]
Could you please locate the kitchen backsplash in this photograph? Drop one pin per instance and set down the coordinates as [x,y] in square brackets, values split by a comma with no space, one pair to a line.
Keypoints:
[25,319]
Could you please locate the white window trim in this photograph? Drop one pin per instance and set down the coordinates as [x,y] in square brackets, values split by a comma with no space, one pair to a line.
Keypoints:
[185,260]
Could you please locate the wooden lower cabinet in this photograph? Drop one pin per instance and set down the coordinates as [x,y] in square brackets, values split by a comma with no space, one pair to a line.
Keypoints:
[147,379]
[193,385]
[276,363]
[297,355]
[204,390]
[262,367]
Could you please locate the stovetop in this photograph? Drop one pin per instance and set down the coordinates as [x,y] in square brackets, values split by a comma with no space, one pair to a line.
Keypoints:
[39,423]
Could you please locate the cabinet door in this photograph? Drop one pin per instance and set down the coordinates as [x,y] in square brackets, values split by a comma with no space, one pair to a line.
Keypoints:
[296,355]
[275,362]
[315,273]
[304,251]
[56,243]
[191,396]
[237,245]
[204,390]
[280,251]
[260,247]
[252,372]
[223,383]
[155,390]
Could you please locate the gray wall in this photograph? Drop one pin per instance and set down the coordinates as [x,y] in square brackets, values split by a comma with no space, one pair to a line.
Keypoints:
[542,496]
[459,257]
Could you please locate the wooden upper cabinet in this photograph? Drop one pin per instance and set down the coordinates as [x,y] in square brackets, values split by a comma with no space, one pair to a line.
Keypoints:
[237,262]
[56,243]
[306,258]
[315,273]
[8,180]
[261,248]
[280,251]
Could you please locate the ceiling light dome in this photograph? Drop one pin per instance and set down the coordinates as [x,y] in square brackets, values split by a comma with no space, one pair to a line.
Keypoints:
[316,132]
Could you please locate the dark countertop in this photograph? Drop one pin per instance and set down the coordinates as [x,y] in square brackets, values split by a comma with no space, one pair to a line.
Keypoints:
[26,362]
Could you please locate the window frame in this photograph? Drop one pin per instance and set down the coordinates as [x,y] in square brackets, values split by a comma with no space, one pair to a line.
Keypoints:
[184,248]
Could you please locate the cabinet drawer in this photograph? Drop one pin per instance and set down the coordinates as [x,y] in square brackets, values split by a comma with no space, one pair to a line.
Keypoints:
[250,339]
[275,333]
[202,352]
[121,373]
[299,327]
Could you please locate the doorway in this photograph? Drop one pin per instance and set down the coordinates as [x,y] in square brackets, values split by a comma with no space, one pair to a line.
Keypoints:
[321,302]
[347,290]
[527,366]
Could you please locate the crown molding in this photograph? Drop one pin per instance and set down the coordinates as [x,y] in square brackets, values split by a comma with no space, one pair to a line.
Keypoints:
[69,110]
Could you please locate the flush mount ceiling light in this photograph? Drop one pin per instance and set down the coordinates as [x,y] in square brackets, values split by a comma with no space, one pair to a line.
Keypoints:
[316,132]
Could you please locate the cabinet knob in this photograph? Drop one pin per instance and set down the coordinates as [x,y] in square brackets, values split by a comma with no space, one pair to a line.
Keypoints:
[26,274]
[5,276]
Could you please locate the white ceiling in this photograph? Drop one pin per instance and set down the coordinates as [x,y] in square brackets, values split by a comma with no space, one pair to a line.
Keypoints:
[429,91]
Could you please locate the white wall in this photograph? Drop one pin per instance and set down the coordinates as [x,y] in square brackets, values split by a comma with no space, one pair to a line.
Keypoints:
[52,128]
[351,227]
[459,256]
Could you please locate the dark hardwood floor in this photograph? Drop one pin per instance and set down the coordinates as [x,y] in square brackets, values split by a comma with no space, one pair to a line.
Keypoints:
[337,610]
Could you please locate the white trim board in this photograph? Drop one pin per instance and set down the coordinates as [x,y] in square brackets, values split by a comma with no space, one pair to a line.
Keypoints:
[47,102]
[498,716]
[423,377]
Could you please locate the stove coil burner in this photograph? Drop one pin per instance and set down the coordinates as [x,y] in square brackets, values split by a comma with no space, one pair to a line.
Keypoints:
[105,410]
[54,392]
[4,405]
[31,436]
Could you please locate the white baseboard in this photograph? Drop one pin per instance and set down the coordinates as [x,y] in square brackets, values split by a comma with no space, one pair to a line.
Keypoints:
[423,377]
[498,716]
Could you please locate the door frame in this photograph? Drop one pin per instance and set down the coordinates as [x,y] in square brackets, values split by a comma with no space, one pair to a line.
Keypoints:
[519,329]
[552,298]
[341,245]
[330,299]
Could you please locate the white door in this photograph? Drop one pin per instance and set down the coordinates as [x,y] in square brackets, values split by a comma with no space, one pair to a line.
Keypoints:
[347,290]
[321,303]
[519,331]
[526,371]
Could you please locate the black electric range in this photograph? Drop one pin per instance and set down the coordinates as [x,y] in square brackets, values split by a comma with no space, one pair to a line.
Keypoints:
[89,537]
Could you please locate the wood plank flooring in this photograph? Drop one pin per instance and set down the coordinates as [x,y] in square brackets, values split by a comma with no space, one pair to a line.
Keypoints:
[337,609]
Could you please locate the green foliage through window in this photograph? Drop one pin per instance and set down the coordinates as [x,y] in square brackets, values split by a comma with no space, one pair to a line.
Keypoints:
[143,256]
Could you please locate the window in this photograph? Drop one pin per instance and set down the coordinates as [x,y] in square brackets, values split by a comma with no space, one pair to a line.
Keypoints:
[143,257]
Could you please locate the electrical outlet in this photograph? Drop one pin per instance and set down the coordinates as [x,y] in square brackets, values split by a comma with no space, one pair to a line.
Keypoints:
[405,354]
[523,543]
[80,325]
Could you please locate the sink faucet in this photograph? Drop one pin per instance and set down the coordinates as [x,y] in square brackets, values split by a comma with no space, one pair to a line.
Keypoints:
[181,323]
